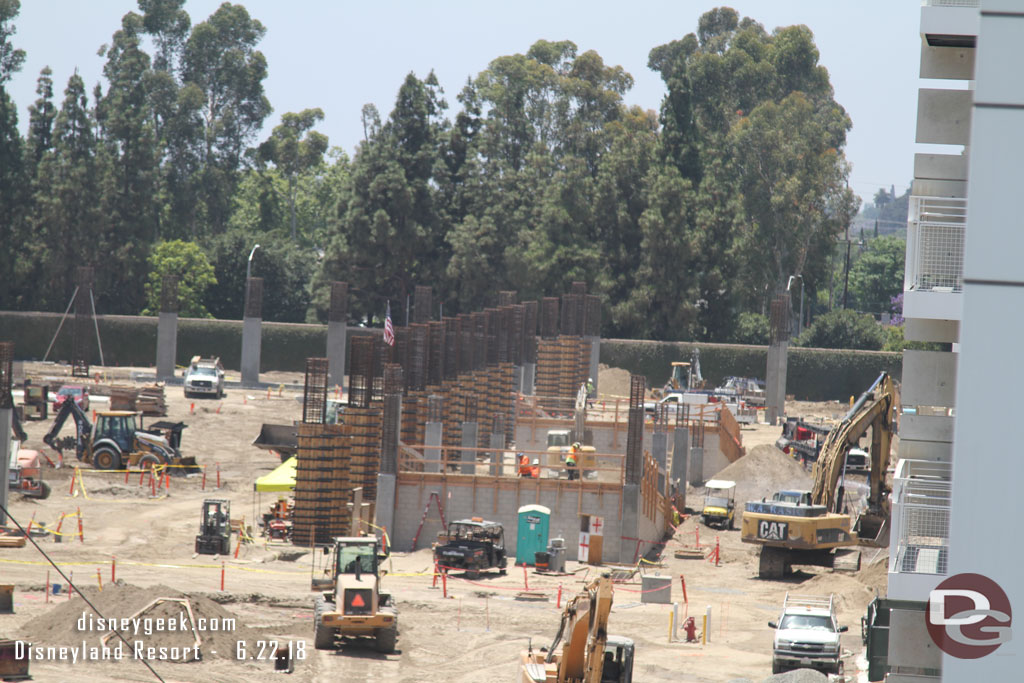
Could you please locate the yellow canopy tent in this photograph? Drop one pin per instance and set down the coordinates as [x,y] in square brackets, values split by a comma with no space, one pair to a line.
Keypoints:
[281,479]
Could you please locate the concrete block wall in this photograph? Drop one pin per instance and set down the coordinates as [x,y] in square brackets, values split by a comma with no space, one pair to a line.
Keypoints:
[559,496]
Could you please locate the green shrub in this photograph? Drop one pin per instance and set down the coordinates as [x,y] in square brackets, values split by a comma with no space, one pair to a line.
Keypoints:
[751,328]
[843,329]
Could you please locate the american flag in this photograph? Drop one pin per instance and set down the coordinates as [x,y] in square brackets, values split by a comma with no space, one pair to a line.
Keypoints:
[389,329]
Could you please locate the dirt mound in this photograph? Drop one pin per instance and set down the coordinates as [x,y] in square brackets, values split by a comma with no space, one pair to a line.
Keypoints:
[73,621]
[851,594]
[762,472]
[120,491]
[612,381]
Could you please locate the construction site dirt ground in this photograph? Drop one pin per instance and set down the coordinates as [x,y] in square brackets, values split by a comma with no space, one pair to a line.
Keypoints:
[479,630]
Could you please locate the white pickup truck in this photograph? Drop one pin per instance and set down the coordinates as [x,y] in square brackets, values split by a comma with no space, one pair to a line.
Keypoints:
[204,377]
[807,635]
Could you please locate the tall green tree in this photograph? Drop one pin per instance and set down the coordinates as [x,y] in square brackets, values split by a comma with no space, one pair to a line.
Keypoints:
[195,275]
[223,73]
[40,122]
[294,154]
[68,224]
[877,276]
[11,160]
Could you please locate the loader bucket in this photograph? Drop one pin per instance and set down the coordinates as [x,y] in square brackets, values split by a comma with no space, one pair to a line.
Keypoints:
[187,466]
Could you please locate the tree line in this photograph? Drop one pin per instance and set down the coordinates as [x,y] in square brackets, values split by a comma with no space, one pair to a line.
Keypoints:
[686,220]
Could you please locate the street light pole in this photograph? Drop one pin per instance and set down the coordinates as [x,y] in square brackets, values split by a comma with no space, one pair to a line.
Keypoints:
[800,321]
[248,265]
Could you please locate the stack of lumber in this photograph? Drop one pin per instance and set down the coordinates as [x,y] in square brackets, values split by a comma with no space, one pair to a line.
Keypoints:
[149,399]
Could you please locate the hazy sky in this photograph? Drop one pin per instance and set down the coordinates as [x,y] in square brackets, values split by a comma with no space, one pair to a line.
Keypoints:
[340,55]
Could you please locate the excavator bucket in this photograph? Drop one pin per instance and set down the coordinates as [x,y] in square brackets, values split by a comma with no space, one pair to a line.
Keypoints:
[873,530]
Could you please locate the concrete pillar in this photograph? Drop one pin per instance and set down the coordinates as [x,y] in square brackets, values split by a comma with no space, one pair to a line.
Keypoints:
[166,345]
[775,386]
[529,378]
[517,378]
[251,332]
[432,439]
[697,466]
[384,509]
[630,523]
[498,444]
[680,459]
[337,330]
[469,440]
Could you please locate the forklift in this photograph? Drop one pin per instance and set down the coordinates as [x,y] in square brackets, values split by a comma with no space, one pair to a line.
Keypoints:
[214,528]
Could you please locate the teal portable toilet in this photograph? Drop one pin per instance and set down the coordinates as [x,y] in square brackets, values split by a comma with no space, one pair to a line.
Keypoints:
[533,533]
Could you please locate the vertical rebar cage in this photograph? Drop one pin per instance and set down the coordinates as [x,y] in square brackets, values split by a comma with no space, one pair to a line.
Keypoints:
[314,396]
[254,298]
[339,302]
[169,293]
[780,329]
[635,433]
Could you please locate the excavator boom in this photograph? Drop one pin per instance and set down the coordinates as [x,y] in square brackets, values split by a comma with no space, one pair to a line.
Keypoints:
[83,428]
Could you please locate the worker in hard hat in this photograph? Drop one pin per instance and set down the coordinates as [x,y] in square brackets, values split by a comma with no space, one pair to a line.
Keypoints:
[535,469]
[524,465]
[590,392]
[571,460]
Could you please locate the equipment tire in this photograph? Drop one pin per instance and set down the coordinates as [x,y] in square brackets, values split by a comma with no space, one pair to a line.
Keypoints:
[149,460]
[106,458]
[732,523]
[776,667]
[472,574]
[225,545]
[385,639]
[323,636]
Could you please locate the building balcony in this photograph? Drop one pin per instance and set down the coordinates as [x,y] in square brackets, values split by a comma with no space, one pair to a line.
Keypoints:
[950,23]
[919,549]
[934,280]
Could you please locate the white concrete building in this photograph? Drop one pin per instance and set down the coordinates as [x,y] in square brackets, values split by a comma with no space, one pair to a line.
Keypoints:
[957,492]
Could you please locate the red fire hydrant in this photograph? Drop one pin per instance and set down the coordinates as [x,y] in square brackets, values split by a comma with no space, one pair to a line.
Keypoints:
[690,626]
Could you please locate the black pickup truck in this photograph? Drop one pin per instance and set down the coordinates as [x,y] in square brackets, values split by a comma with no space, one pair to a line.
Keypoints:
[472,545]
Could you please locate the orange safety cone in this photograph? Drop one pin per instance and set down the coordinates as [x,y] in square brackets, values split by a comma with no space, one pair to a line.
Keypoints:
[192,408]
[81,534]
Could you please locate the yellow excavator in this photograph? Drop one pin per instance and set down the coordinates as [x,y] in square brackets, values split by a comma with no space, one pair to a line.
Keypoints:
[582,651]
[806,527]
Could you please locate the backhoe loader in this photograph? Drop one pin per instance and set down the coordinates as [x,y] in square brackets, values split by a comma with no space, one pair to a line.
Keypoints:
[119,441]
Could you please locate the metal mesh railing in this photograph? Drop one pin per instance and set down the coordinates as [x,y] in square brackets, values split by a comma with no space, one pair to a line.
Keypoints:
[937,227]
[922,496]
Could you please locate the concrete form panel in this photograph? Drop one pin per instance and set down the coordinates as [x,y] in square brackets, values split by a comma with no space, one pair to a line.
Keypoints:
[925,330]
[940,166]
[955,63]
[994,238]
[1000,53]
[384,510]
[944,116]
[929,378]
[926,427]
[432,446]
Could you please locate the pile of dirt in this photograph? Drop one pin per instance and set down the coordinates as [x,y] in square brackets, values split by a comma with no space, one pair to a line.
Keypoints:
[762,472]
[612,381]
[120,491]
[72,622]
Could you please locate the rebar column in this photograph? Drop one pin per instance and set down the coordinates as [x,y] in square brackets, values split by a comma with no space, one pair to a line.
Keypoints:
[314,395]
[634,467]
[252,332]
[337,332]
[167,328]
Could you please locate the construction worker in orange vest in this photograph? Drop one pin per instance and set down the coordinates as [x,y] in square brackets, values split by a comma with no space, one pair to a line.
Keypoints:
[571,459]
[524,465]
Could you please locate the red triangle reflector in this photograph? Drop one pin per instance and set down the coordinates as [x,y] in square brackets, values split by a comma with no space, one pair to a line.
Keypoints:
[358,601]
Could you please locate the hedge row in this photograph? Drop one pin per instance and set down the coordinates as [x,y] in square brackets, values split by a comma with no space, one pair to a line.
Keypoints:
[131,340]
[812,374]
